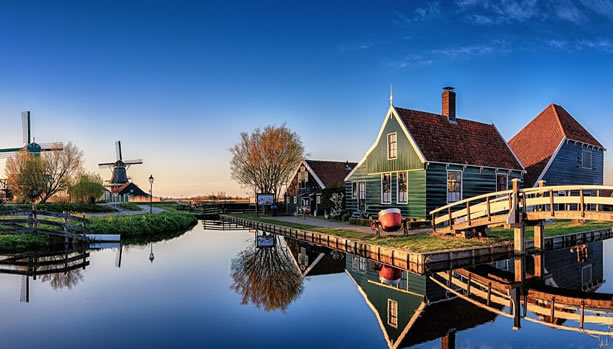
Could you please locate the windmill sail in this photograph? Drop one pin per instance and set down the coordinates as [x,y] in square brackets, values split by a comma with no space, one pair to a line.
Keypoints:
[25,125]
[118,150]
[134,162]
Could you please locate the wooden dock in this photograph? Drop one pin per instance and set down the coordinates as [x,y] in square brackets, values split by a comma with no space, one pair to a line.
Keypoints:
[420,263]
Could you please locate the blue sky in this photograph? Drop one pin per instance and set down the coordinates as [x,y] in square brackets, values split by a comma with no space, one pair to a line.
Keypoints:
[178,81]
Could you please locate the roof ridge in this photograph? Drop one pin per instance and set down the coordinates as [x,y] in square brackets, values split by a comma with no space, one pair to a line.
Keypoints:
[555,112]
[443,116]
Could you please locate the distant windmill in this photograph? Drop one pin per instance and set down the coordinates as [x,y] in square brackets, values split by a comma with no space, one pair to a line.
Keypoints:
[29,144]
[119,167]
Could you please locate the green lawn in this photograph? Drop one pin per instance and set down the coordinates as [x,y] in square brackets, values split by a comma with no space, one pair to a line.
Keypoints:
[427,242]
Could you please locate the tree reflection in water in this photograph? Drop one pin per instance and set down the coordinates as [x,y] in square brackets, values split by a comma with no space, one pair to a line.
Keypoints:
[66,279]
[266,277]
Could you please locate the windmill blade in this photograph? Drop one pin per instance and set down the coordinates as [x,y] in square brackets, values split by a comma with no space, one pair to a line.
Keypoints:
[25,125]
[55,146]
[105,164]
[9,152]
[118,150]
[134,162]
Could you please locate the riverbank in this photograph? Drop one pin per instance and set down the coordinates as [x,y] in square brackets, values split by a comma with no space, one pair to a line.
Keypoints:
[424,242]
[142,225]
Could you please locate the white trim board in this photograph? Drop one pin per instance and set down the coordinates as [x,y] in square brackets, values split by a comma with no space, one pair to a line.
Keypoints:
[540,177]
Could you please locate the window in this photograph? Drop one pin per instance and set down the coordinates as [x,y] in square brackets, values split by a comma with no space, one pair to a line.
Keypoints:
[318,199]
[295,200]
[502,182]
[586,159]
[402,188]
[586,275]
[355,262]
[354,189]
[392,313]
[392,146]
[386,188]
[454,186]
[305,202]
[362,264]
[362,191]
[303,177]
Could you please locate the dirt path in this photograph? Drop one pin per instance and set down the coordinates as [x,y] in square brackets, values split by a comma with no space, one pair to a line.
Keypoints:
[123,212]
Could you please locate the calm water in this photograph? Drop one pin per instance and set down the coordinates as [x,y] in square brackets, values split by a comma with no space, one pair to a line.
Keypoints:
[216,289]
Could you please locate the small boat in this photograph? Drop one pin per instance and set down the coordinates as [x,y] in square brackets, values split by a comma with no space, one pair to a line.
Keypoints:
[390,219]
[390,275]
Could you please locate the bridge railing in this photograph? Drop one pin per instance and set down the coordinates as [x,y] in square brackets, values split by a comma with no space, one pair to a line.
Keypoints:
[37,221]
[554,202]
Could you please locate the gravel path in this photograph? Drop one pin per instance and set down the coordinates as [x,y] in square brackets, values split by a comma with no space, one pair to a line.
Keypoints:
[338,225]
[122,212]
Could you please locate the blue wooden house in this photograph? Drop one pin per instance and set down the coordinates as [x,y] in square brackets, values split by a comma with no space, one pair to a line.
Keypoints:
[421,161]
[554,147]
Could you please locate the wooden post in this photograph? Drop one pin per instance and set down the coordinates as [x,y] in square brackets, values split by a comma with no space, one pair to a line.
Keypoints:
[539,265]
[582,314]
[468,284]
[520,269]
[597,195]
[553,308]
[539,236]
[468,212]
[551,203]
[489,292]
[519,246]
[34,218]
[65,227]
[581,203]
[489,212]
[450,218]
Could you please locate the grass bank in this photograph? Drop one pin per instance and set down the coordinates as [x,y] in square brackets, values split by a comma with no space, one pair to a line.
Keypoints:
[130,206]
[56,207]
[16,243]
[142,225]
[428,243]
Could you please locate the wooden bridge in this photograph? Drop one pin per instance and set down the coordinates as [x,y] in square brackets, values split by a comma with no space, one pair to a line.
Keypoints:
[517,208]
[40,222]
[490,289]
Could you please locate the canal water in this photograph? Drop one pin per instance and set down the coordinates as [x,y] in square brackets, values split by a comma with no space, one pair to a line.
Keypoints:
[214,289]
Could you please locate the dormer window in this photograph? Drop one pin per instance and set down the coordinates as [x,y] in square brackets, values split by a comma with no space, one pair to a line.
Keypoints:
[392,146]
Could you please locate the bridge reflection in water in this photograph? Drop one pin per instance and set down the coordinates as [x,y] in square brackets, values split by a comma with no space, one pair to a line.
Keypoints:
[62,269]
[556,289]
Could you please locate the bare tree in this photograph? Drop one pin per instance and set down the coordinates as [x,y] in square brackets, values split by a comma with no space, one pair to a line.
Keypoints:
[39,177]
[263,160]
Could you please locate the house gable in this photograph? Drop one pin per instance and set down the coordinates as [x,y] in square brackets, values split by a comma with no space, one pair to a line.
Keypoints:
[566,165]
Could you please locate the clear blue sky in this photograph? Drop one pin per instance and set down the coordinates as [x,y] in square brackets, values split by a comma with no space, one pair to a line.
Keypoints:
[178,81]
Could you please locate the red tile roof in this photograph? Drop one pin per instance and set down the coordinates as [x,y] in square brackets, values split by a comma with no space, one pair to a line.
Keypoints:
[536,143]
[331,173]
[465,142]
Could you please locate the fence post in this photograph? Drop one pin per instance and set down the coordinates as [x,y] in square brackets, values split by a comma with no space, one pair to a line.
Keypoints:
[65,227]
[551,203]
[581,203]
[34,217]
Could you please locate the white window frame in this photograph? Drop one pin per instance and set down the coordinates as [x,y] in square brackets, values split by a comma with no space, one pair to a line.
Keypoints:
[583,152]
[318,200]
[362,265]
[406,200]
[360,190]
[502,174]
[392,313]
[388,146]
[295,200]
[354,192]
[461,185]
[383,202]
[585,283]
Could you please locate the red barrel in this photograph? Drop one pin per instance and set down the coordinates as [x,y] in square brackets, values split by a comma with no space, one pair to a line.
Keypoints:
[390,219]
[389,275]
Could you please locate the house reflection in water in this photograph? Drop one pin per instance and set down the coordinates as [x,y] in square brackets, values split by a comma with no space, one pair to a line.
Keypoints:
[313,260]
[414,311]
[417,310]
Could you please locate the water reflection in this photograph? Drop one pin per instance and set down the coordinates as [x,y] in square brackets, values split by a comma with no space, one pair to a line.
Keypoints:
[267,276]
[61,269]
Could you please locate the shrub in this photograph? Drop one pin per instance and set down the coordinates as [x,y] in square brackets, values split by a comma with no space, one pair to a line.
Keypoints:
[142,225]
[346,216]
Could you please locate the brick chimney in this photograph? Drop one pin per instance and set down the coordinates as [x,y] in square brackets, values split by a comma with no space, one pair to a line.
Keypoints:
[449,103]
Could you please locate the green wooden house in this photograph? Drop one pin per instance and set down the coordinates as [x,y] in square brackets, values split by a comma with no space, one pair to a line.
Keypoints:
[421,161]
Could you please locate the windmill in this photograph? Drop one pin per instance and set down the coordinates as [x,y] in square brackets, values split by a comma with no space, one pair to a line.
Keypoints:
[29,142]
[119,167]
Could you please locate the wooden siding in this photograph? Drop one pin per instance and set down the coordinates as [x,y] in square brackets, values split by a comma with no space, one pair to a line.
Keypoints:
[416,206]
[567,167]
[475,181]
[407,158]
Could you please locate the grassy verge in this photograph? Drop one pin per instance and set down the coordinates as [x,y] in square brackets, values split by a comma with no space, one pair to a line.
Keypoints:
[427,242]
[130,206]
[55,207]
[142,225]
[15,243]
